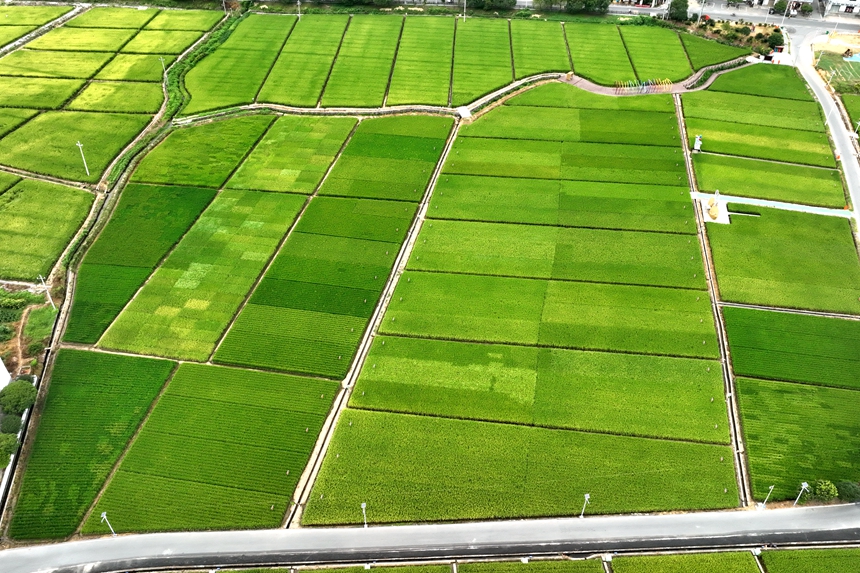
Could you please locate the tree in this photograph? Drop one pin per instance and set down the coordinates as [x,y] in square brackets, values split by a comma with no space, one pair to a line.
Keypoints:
[775,40]
[806,9]
[8,446]
[17,397]
[591,6]
[10,424]
[848,491]
[824,490]
[678,10]
[780,6]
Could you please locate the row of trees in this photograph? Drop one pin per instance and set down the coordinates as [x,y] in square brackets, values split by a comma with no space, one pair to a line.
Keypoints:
[14,399]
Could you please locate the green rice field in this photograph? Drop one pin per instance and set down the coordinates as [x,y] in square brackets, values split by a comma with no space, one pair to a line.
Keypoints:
[656,53]
[768,81]
[482,59]
[422,71]
[704,52]
[538,47]
[754,110]
[11,15]
[599,54]
[811,561]
[681,563]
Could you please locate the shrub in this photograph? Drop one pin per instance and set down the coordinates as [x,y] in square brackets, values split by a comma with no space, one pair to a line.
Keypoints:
[17,397]
[6,332]
[824,490]
[10,424]
[806,9]
[775,40]
[744,30]
[780,6]
[678,10]
[8,446]
[848,491]
[35,348]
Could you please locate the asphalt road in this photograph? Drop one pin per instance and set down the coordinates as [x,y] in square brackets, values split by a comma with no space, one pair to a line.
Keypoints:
[727,529]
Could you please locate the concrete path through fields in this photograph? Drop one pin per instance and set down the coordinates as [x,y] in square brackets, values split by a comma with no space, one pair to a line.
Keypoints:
[844,213]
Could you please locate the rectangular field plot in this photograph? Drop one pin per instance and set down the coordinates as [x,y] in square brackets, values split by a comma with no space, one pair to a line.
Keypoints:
[656,53]
[699,562]
[571,124]
[53,64]
[422,72]
[10,118]
[562,95]
[203,155]
[359,77]
[230,443]
[47,143]
[135,68]
[389,158]
[794,347]
[414,468]
[704,52]
[754,110]
[294,155]
[126,97]
[538,47]
[233,73]
[79,440]
[161,42]
[301,71]
[83,39]
[769,81]
[552,313]
[146,223]
[598,53]
[37,220]
[606,392]
[796,433]
[187,304]
[811,561]
[30,15]
[599,255]
[788,259]
[9,34]
[561,566]
[482,59]
[196,20]
[767,180]
[776,143]
[39,93]
[563,203]
[113,18]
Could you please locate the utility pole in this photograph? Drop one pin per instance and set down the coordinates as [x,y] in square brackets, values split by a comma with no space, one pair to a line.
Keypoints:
[364,513]
[803,487]
[105,520]
[299,4]
[787,6]
[48,292]
[763,505]
[81,147]
[163,67]
[587,501]
[464,10]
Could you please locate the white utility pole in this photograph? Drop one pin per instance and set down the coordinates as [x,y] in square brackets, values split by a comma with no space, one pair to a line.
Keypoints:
[587,501]
[81,147]
[803,487]
[464,10]
[364,513]
[105,520]
[48,292]
[787,6]
[299,4]
[763,504]
[163,67]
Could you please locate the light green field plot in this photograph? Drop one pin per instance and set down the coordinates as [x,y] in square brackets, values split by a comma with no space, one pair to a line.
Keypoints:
[482,59]
[537,251]
[704,52]
[373,220]
[564,203]
[422,72]
[606,392]
[599,54]
[794,347]
[796,432]
[558,94]
[569,160]
[161,42]
[135,67]
[301,71]
[389,158]
[656,53]
[194,20]
[7,180]
[46,144]
[30,15]
[294,155]
[37,220]
[415,468]
[40,323]
[42,93]
[78,442]
[202,155]
[561,566]
[571,124]
[538,47]
[852,106]
[53,64]
[10,118]
[769,81]
[789,259]
[767,180]
[9,34]
[776,143]
[812,561]
[127,97]
[185,306]
[687,563]
[83,39]
[113,18]
[561,314]
[233,73]
[359,77]
[754,110]
[226,443]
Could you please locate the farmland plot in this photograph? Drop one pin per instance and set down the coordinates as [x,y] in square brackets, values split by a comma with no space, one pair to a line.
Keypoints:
[754,110]
[147,222]
[562,566]
[598,53]
[83,39]
[9,34]
[30,15]
[789,259]
[41,93]
[603,392]
[301,71]
[10,118]
[188,302]
[161,42]
[135,68]
[359,77]
[415,468]
[704,52]
[79,440]
[37,220]
[113,18]
[538,47]
[681,563]
[422,71]
[126,97]
[53,64]
[811,561]
[558,94]
[482,59]
[656,53]
[768,81]
[221,447]
[192,20]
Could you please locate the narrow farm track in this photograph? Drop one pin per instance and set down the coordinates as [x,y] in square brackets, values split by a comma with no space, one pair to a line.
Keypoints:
[827,212]
[792,310]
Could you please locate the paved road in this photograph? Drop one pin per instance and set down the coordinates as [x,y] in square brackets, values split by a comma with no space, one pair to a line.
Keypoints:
[578,536]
